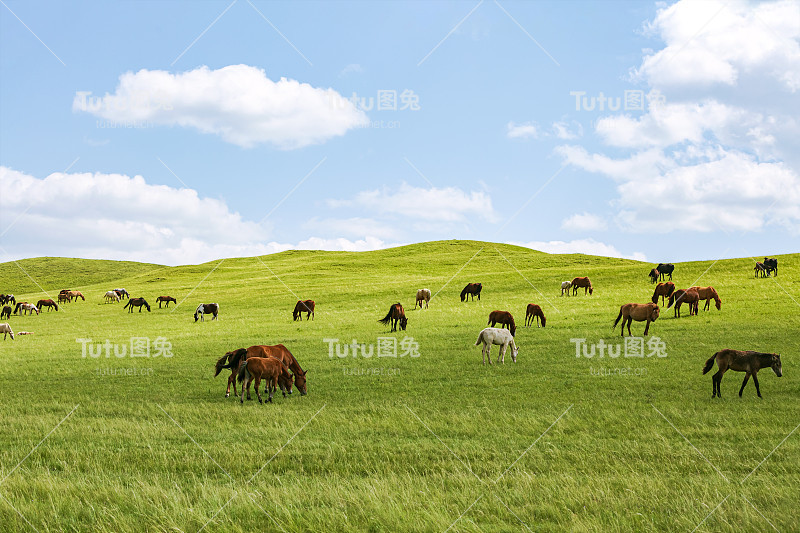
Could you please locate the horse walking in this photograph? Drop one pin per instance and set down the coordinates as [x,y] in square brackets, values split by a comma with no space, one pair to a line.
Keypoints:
[638,312]
[258,368]
[741,361]
[303,306]
[137,302]
[707,294]
[501,337]
[664,290]
[471,289]
[534,311]
[396,315]
[74,295]
[423,297]
[581,283]
[166,299]
[565,287]
[206,309]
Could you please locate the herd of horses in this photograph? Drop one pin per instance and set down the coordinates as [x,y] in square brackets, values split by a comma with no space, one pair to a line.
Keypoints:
[274,364]
[766,267]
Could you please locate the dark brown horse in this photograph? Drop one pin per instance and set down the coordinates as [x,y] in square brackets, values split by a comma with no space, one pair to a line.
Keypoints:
[50,304]
[664,290]
[303,306]
[6,313]
[741,361]
[166,299]
[258,368]
[137,302]
[638,312]
[653,275]
[7,299]
[665,270]
[707,294]
[584,283]
[472,289]
[204,309]
[534,311]
[680,297]
[63,297]
[503,317]
[396,315]
[760,269]
[771,264]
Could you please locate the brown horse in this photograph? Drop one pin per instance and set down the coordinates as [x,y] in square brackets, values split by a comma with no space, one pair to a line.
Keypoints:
[503,317]
[680,297]
[760,269]
[664,290]
[137,302]
[584,282]
[258,368]
[534,311]
[303,306]
[41,304]
[423,297]
[279,351]
[396,315]
[472,289]
[7,299]
[638,312]
[74,295]
[707,293]
[6,313]
[166,299]
[654,275]
[63,298]
[741,361]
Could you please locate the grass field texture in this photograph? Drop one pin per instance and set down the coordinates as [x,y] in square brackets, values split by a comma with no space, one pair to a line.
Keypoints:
[436,442]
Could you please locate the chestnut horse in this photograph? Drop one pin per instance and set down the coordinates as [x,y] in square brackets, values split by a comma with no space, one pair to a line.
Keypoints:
[396,315]
[584,283]
[707,293]
[664,290]
[166,299]
[63,297]
[303,306]
[688,296]
[258,368]
[472,289]
[741,361]
[234,358]
[74,295]
[41,304]
[638,312]
[534,311]
[505,318]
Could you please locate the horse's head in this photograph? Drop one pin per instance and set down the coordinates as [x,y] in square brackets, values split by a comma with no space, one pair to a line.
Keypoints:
[654,313]
[403,322]
[591,290]
[776,365]
[300,382]
[195,316]
[221,363]
[514,352]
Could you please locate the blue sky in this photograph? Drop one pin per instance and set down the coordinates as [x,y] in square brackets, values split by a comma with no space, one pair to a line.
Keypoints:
[180,132]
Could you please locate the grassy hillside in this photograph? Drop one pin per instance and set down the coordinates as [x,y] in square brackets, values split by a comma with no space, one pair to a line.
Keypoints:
[554,442]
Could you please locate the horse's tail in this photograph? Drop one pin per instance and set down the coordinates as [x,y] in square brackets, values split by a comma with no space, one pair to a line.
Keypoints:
[671,300]
[242,372]
[387,318]
[618,317]
[709,364]
[480,339]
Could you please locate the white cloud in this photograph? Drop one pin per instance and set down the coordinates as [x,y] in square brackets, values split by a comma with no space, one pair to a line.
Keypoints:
[580,246]
[349,69]
[449,204]
[584,222]
[238,102]
[562,130]
[521,131]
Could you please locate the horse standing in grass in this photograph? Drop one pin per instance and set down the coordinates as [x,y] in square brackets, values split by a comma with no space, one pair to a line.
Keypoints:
[505,318]
[423,297]
[235,358]
[5,329]
[166,299]
[707,294]
[111,296]
[205,309]
[137,302]
[41,304]
[741,361]
[74,295]
[303,306]
[771,264]
[664,290]
[638,312]
[501,337]
[63,298]
[396,315]
[471,289]
[654,274]
[680,297]
[122,293]
[665,270]
[6,313]
[565,287]
[25,306]
[7,299]
[534,311]
[584,283]
[258,368]
[760,269]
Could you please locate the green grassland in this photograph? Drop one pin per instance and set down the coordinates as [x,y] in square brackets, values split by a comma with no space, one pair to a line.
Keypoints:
[430,443]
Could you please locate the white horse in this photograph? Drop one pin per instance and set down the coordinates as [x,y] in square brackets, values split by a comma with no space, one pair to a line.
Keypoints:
[565,286]
[30,308]
[423,296]
[499,336]
[5,329]
[111,295]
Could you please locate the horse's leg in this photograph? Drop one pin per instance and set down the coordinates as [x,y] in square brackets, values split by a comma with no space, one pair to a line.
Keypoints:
[258,384]
[746,377]
[647,327]
[502,355]
[272,382]
[755,380]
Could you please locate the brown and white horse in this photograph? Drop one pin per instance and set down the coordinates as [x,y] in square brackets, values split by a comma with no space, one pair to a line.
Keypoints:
[423,297]
[204,309]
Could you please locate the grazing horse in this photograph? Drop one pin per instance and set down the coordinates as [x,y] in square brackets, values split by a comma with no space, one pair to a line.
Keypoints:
[707,293]
[303,306]
[137,302]
[6,312]
[63,298]
[565,287]
[532,311]
[396,315]
[5,329]
[205,309]
[665,270]
[654,274]
[741,361]
[122,293]
[638,312]
[7,299]
[664,290]
[111,296]
[25,306]
[234,359]
[505,318]
[584,283]
[472,289]
[41,304]
[166,299]
[771,264]
[502,337]
[423,297]
[760,269]
[688,296]
[74,295]
[258,368]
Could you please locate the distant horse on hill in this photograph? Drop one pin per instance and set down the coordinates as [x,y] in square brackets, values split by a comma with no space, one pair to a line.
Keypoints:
[707,294]
[206,309]
[167,300]
[303,306]
[137,302]
[664,290]
[534,311]
[471,289]
[665,270]
[584,283]
[565,287]
[423,297]
[50,304]
[396,315]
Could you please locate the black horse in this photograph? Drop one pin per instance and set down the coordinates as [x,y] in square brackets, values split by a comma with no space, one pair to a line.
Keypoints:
[665,270]
[771,264]
[472,289]
[137,302]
